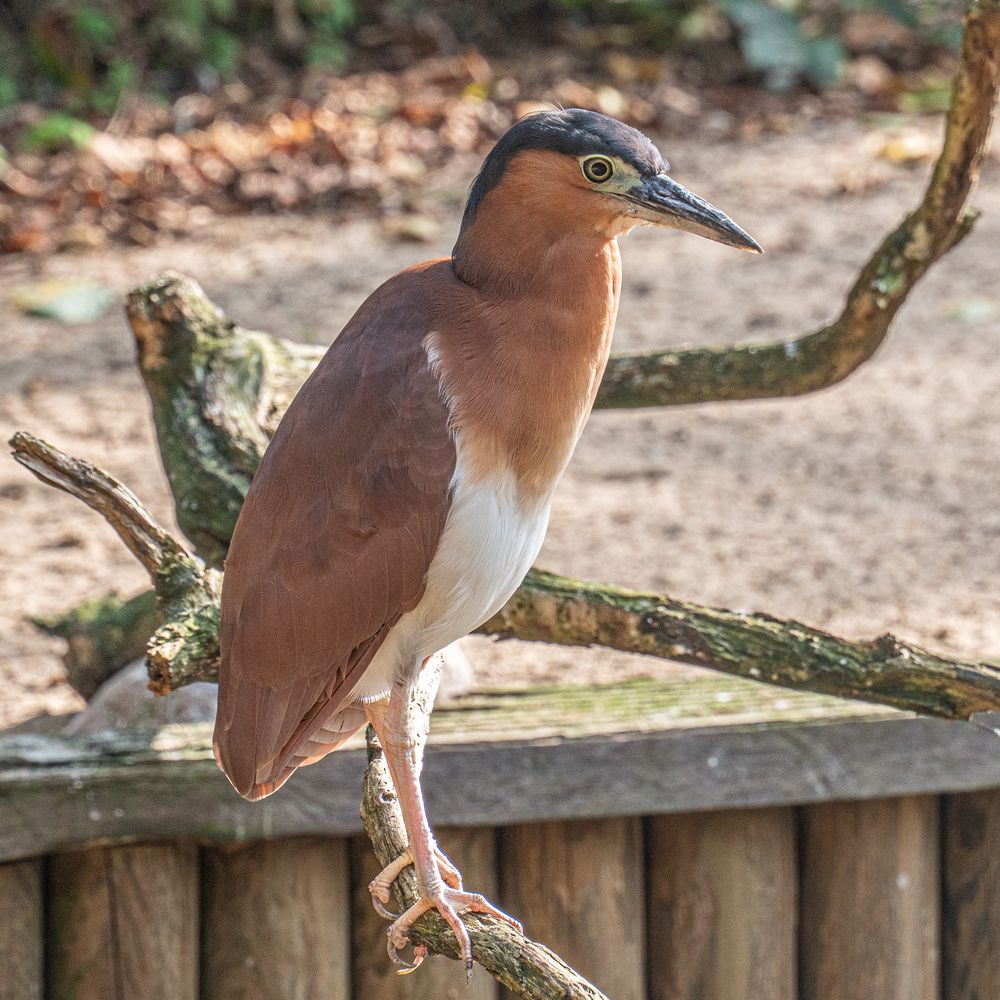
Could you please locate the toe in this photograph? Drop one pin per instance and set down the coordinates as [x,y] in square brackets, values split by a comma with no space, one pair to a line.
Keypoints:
[454,921]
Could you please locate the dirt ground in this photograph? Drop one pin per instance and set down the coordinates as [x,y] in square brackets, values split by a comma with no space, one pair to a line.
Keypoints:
[865,508]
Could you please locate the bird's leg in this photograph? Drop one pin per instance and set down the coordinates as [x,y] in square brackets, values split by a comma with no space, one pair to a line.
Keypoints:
[401,725]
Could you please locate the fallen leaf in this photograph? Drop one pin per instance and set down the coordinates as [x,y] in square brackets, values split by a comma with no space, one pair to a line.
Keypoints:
[65,300]
[412,227]
[974,310]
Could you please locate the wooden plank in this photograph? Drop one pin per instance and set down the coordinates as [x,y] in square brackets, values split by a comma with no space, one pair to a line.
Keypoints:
[578,888]
[58,794]
[870,901]
[722,891]
[276,921]
[374,976]
[123,923]
[971,958]
[22,931]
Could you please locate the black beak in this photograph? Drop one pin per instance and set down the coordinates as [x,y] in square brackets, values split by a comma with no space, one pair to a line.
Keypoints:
[669,204]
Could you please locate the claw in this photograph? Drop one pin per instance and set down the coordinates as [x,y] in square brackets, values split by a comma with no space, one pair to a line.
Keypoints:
[381,909]
[380,887]
[404,968]
[449,903]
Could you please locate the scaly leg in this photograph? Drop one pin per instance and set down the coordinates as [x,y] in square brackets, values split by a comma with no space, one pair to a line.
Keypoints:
[402,731]
[380,886]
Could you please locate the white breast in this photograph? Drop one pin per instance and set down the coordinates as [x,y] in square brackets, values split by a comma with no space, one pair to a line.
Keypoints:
[489,542]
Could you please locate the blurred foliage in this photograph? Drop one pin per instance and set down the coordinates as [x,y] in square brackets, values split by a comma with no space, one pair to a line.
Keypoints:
[92,53]
[85,56]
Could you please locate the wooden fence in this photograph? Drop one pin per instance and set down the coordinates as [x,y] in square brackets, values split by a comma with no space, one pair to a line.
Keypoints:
[674,840]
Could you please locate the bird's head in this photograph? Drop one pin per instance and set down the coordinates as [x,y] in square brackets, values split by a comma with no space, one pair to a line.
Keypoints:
[583,169]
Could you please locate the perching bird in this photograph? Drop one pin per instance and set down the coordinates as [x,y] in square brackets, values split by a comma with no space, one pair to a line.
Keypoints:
[407,489]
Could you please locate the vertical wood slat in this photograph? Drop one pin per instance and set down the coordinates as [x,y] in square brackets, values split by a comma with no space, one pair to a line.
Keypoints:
[578,887]
[871,900]
[971,896]
[22,931]
[473,851]
[123,923]
[275,921]
[722,905]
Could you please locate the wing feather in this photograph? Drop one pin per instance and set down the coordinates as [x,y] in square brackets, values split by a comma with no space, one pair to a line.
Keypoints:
[334,540]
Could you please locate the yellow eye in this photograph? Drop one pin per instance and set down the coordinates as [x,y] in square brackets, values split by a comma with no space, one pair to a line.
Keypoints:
[598,169]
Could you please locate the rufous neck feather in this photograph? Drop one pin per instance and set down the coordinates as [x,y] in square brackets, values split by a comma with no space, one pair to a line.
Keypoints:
[536,232]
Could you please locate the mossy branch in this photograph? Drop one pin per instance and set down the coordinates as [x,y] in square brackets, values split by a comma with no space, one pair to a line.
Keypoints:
[550,608]
[524,966]
[820,359]
[187,592]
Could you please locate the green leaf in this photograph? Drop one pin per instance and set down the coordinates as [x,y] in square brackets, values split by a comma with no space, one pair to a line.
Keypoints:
[56,131]
[222,52]
[824,58]
[9,91]
[771,40]
[327,55]
[94,27]
[224,10]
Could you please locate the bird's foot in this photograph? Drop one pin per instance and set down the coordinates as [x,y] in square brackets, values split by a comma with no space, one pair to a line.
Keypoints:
[381,885]
[449,902]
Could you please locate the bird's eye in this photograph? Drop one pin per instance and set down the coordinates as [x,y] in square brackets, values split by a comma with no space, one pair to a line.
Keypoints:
[598,169]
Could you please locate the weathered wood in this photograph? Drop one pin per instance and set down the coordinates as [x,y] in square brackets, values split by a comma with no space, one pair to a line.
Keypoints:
[123,923]
[722,890]
[187,592]
[578,886]
[438,978]
[971,917]
[548,753]
[276,920]
[870,901]
[22,931]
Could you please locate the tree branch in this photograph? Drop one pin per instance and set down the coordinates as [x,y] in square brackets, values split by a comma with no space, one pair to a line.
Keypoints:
[759,647]
[186,647]
[524,966]
[143,537]
[549,608]
[827,356]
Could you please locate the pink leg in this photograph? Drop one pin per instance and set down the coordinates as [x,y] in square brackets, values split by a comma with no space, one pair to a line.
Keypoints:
[403,734]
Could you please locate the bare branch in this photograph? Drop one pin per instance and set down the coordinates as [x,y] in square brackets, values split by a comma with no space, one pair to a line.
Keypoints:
[143,537]
[827,356]
[186,647]
[886,671]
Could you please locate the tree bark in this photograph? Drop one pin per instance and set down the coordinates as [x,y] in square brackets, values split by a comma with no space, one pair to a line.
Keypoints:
[527,968]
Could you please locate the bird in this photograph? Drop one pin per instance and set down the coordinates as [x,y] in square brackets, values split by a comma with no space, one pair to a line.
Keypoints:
[407,489]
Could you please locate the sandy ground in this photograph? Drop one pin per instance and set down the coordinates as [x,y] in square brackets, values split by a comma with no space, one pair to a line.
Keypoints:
[868,507]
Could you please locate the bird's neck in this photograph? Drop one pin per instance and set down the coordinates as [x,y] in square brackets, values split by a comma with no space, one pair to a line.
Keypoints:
[524,245]
[526,355]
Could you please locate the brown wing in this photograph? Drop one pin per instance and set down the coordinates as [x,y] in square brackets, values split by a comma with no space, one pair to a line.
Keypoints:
[334,539]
